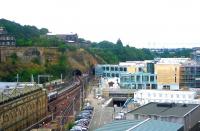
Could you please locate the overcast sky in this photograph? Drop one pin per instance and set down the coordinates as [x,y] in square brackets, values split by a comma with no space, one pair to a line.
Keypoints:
[139,23]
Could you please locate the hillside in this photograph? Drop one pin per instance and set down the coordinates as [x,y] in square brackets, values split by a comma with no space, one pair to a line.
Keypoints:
[36,54]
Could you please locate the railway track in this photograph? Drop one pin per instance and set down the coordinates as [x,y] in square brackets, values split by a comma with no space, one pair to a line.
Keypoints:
[62,105]
[68,100]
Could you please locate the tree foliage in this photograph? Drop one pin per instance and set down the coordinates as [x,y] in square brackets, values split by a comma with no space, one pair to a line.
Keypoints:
[25,32]
[114,53]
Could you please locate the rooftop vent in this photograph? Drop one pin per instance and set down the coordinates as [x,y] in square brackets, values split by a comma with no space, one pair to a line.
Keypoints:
[166,105]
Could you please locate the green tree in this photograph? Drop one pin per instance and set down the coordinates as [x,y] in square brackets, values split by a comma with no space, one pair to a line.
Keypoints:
[14,58]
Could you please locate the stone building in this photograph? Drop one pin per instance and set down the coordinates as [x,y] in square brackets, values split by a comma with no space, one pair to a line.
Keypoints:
[25,107]
[6,39]
[67,38]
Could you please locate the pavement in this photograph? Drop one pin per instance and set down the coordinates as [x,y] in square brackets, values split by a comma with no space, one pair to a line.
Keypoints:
[102,115]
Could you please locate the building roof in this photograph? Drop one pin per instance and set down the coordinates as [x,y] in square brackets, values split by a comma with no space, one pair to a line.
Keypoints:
[180,92]
[172,60]
[140,125]
[165,110]
[121,91]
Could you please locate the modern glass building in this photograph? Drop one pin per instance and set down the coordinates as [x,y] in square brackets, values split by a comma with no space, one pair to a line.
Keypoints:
[110,70]
[138,80]
[128,79]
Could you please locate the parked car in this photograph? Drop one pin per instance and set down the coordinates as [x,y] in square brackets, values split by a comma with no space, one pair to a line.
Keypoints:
[78,128]
[83,120]
[120,116]
[78,117]
[87,111]
[88,108]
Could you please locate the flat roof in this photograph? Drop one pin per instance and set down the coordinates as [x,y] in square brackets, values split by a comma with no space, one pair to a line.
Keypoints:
[140,125]
[121,91]
[178,110]
[188,92]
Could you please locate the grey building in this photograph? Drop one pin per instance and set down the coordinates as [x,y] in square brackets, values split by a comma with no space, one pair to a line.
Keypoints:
[6,39]
[186,114]
[141,125]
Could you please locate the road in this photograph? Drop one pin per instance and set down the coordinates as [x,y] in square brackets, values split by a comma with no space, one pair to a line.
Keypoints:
[102,115]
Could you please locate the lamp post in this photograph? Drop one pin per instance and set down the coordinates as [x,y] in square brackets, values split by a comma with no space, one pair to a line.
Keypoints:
[73,106]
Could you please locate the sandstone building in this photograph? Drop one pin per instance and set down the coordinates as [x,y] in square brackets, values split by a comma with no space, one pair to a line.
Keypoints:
[23,108]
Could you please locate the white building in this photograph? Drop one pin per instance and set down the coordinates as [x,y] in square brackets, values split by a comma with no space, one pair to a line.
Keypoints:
[104,82]
[163,96]
[172,60]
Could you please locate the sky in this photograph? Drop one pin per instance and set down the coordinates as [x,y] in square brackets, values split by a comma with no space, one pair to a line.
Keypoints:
[138,23]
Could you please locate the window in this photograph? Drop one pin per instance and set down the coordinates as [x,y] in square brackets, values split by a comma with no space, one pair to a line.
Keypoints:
[125,69]
[160,95]
[112,68]
[116,68]
[177,95]
[104,74]
[132,78]
[117,75]
[113,75]
[108,74]
[151,78]
[126,79]
[121,69]
[145,78]
[104,68]
[107,68]
[183,96]
[138,78]
[175,78]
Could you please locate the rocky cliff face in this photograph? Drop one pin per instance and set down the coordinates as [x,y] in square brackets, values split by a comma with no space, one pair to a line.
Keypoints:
[38,60]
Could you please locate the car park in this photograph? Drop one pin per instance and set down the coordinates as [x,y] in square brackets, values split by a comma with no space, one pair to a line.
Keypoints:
[83,119]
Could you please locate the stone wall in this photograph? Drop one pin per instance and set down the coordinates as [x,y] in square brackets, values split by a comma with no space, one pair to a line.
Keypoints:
[26,54]
[19,113]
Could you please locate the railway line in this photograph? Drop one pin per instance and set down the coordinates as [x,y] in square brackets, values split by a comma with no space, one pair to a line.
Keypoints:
[66,103]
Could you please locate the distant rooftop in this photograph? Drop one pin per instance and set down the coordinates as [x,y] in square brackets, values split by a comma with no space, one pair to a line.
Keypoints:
[177,110]
[140,125]
[172,60]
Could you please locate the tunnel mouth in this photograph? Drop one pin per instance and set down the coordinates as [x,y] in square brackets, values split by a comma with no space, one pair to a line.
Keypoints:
[77,72]
[117,102]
